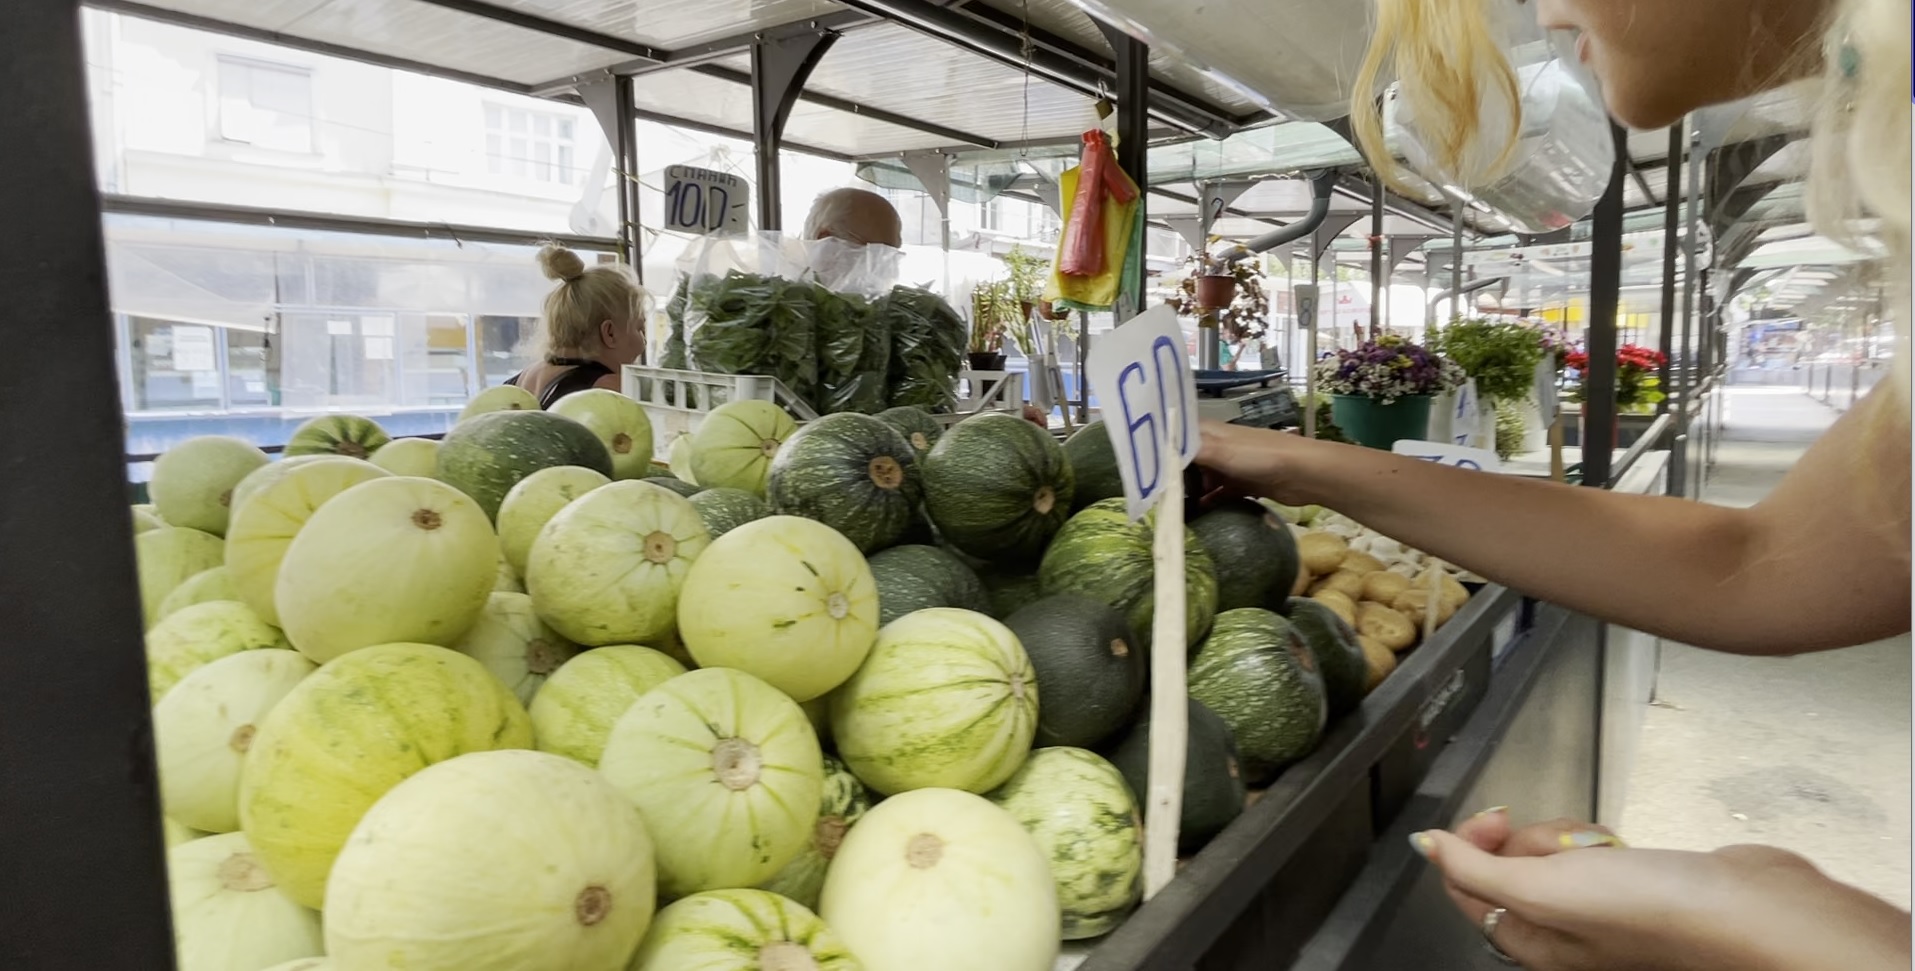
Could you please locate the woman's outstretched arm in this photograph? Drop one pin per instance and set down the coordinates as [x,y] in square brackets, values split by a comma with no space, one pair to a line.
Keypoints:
[1822,563]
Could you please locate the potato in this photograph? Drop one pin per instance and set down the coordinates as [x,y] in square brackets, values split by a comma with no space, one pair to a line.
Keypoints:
[1322,553]
[1412,603]
[1378,661]
[1339,604]
[1453,593]
[1361,563]
[1304,582]
[1384,587]
[1388,627]
[1343,582]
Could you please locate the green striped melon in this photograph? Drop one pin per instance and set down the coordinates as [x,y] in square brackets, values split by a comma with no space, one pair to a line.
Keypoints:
[916,424]
[947,699]
[728,774]
[198,635]
[734,445]
[1085,818]
[998,488]
[227,913]
[505,397]
[845,801]
[202,587]
[724,510]
[265,523]
[532,503]
[515,645]
[350,732]
[169,556]
[1338,653]
[203,728]
[193,481]
[851,472]
[1256,557]
[912,578]
[409,456]
[786,599]
[1094,462]
[574,710]
[508,859]
[741,930]
[485,456]
[607,569]
[348,435]
[396,559]
[1256,673]
[1103,555]
[619,422]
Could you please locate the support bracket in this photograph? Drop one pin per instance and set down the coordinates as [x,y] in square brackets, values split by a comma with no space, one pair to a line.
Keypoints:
[779,70]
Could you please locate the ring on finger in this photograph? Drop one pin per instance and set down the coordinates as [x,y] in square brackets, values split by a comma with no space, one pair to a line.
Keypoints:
[1490,922]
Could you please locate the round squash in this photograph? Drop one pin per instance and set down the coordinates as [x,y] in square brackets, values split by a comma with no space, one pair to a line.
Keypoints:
[532,503]
[619,422]
[942,880]
[270,473]
[1011,592]
[916,424]
[203,728]
[144,518]
[998,488]
[510,859]
[851,472]
[728,774]
[1254,554]
[515,645]
[306,964]
[673,483]
[1256,673]
[351,731]
[505,397]
[169,556]
[607,569]
[227,914]
[947,699]
[199,635]
[741,930]
[193,481]
[724,510]
[575,709]
[348,435]
[678,458]
[486,455]
[845,801]
[1103,555]
[417,457]
[1214,792]
[1083,816]
[1338,655]
[1094,463]
[785,599]
[392,560]
[912,578]
[174,833]
[265,522]
[734,445]
[507,579]
[1090,668]
[205,586]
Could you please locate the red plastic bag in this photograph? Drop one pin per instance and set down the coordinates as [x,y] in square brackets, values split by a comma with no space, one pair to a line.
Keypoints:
[1100,178]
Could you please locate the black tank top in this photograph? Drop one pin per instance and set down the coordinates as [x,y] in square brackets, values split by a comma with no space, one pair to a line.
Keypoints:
[583,374]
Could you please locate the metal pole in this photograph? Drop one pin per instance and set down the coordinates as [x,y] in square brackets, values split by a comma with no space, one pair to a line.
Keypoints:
[1605,282]
[1377,264]
[1686,376]
[779,69]
[631,234]
[1133,144]
[1671,224]
[1456,259]
[84,876]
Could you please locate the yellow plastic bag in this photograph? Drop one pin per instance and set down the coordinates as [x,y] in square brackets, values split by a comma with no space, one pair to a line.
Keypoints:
[1096,292]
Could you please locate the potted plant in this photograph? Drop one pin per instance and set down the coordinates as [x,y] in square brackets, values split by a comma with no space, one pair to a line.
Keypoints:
[1027,279]
[1638,389]
[1239,291]
[1502,357]
[993,306]
[1380,392]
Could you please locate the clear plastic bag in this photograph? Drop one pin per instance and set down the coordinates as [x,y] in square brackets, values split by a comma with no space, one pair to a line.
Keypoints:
[928,339]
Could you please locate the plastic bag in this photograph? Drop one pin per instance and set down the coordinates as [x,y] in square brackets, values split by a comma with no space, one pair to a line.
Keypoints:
[1122,237]
[854,342]
[743,306]
[928,339]
[1082,251]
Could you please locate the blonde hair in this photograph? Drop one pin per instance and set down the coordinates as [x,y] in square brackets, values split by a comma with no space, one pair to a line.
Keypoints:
[1448,52]
[586,297]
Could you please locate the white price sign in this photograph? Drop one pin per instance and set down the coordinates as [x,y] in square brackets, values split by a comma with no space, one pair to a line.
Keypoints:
[705,202]
[1147,392]
[1474,459]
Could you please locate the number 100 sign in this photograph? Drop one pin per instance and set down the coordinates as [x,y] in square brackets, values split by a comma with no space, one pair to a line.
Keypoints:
[704,202]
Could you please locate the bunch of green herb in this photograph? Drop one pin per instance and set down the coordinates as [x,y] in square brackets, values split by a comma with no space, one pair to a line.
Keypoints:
[1511,426]
[1502,357]
[746,323]
[927,347]
[854,353]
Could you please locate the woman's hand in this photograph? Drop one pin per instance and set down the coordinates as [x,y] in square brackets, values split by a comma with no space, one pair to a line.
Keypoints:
[1254,462]
[1741,907]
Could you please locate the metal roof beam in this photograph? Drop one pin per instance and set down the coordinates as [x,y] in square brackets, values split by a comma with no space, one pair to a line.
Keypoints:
[955,136]
[332,223]
[1361,190]
[693,55]
[552,28]
[660,118]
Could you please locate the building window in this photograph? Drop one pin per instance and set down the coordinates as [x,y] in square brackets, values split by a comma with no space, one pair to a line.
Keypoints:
[265,105]
[534,145]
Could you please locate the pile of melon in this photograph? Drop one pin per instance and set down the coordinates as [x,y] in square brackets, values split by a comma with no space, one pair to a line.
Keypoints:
[866,694]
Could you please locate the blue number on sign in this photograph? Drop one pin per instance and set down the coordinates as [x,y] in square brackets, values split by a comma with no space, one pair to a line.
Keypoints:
[1170,360]
[1167,360]
[1132,424]
[1467,464]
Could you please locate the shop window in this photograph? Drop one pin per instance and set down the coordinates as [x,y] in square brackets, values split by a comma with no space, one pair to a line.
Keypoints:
[175,365]
[265,105]
[538,146]
[248,365]
[507,345]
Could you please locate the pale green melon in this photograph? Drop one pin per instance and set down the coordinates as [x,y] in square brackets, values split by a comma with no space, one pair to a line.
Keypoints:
[608,567]
[734,445]
[845,801]
[169,556]
[518,860]
[175,833]
[193,481]
[534,501]
[409,456]
[203,728]
[267,474]
[273,512]
[515,645]
[227,913]
[575,709]
[306,964]
[679,458]
[1085,819]
[619,422]
[507,580]
[200,634]
[396,559]
[205,586]
[741,930]
[145,519]
[505,397]
[350,732]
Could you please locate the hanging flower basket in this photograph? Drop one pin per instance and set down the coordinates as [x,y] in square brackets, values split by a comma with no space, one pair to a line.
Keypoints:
[1214,292]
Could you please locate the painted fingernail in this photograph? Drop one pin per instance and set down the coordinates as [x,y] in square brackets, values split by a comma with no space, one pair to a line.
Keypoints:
[1423,844]
[1491,811]
[1583,839]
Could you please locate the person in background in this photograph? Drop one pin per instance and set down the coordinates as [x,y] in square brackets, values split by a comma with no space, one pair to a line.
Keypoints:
[594,325]
[1822,563]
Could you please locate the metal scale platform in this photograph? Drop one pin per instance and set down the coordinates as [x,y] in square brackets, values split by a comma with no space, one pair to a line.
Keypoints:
[1259,399]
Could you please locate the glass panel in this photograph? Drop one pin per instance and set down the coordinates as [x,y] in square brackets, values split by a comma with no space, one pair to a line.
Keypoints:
[175,365]
[248,357]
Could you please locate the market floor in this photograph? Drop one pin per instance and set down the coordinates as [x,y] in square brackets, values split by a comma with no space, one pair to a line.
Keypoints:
[1810,754]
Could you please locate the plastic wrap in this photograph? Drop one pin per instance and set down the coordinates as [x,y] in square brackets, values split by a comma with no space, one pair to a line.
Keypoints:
[928,339]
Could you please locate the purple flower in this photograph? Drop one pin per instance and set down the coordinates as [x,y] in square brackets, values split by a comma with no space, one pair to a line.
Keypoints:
[1388,368]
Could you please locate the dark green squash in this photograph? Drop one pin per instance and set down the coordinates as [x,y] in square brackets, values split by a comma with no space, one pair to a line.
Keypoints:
[1213,781]
[1090,668]
[1339,657]
[1256,673]
[1255,555]
[998,488]
[851,472]
[675,484]
[1103,555]
[913,578]
[486,455]
[915,424]
[1010,591]
[1094,463]
[724,510]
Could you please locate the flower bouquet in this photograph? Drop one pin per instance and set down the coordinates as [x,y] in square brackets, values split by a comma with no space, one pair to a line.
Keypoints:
[1381,390]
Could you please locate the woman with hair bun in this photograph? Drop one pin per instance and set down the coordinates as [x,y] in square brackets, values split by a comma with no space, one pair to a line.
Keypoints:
[1822,563]
[594,325]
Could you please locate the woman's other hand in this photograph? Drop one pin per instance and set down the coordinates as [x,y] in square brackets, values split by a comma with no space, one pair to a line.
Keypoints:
[1254,462]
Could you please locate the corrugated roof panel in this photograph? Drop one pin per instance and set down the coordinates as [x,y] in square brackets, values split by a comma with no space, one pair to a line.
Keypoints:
[674,23]
[1269,150]
[706,100]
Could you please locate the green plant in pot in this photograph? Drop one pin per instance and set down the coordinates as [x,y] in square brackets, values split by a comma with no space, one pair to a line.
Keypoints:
[1380,392]
[993,309]
[1502,357]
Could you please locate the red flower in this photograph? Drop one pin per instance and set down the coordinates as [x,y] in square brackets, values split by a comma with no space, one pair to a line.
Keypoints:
[1577,360]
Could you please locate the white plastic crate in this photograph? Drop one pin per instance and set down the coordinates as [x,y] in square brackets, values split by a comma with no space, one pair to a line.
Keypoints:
[676,401]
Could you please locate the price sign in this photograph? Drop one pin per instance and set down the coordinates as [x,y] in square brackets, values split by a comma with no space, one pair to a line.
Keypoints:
[1459,456]
[704,202]
[1466,416]
[1141,376]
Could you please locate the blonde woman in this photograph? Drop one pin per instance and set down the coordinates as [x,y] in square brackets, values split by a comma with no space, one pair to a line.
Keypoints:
[594,325]
[1823,563]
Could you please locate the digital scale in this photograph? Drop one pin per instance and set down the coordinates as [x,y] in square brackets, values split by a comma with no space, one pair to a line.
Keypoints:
[1258,399]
